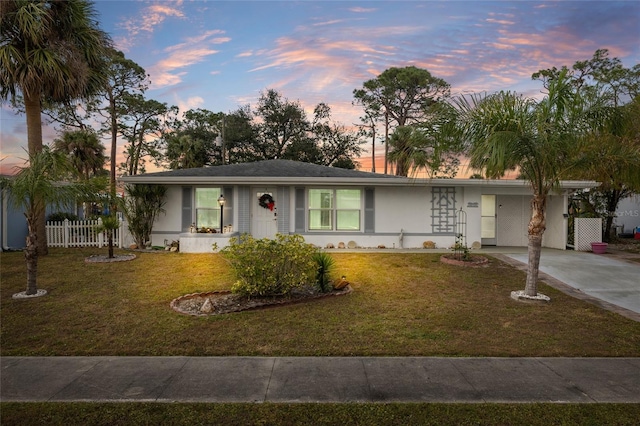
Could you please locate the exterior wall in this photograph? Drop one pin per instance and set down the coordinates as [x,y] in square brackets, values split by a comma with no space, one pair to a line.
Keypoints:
[555,236]
[168,225]
[402,217]
[628,214]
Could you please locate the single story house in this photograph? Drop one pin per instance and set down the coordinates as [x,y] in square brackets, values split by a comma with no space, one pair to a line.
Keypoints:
[332,207]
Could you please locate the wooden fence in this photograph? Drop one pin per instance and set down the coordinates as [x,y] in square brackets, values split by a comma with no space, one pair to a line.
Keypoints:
[82,233]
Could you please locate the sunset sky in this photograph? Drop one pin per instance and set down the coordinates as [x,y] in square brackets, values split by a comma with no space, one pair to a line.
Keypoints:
[219,55]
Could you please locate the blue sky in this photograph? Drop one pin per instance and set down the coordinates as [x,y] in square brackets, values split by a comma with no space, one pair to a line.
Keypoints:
[220,55]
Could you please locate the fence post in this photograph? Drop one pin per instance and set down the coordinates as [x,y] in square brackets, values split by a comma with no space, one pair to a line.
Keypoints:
[120,228]
[100,234]
[65,233]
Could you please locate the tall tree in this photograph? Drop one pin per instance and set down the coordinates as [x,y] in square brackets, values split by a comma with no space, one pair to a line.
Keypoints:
[33,188]
[49,51]
[124,77]
[507,131]
[613,147]
[191,143]
[85,152]
[406,95]
[369,124]
[282,123]
[142,123]
[433,146]
[336,144]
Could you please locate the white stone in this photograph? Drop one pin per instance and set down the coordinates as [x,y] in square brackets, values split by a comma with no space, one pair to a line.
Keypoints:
[207,307]
[520,295]
[24,295]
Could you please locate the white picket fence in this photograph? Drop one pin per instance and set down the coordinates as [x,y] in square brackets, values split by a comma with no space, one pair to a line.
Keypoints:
[82,233]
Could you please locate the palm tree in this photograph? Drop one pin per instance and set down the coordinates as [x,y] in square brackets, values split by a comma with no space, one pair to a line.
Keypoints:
[33,188]
[506,131]
[49,51]
[85,152]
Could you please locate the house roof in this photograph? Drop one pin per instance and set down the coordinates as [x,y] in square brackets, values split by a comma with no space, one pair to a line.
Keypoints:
[288,172]
[267,171]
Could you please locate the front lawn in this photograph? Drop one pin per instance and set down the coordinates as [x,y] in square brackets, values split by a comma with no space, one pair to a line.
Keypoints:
[114,414]
[402,305]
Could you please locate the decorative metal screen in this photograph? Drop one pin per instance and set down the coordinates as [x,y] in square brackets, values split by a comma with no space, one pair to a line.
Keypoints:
[443,210]
[587,230]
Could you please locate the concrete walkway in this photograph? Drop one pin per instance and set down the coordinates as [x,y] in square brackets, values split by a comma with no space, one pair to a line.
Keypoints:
[320,379]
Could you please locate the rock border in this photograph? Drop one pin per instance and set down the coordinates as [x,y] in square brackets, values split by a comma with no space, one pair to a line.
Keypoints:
[476,261]
[257,302]
[99,258]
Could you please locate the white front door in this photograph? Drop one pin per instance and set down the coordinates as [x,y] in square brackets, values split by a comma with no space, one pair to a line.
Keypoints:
[488,220]
[264,221]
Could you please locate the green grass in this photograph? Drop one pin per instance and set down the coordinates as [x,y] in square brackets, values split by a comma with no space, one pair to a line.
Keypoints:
[402,305]
[26,414]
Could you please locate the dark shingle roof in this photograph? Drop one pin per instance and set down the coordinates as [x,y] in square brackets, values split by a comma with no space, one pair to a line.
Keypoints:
[269,169]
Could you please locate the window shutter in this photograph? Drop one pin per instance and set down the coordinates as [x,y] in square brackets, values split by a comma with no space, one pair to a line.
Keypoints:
[299,219]
[227,191]
[187,215]
[369,211]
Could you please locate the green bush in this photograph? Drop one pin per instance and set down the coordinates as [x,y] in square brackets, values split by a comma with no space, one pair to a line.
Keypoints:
[270,267]
[324,264]
[61,216]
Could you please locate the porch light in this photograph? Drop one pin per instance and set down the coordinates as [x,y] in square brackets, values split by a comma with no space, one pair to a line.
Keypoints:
[221,201]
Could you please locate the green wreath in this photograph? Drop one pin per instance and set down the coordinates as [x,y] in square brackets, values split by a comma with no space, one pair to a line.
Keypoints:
[266,202]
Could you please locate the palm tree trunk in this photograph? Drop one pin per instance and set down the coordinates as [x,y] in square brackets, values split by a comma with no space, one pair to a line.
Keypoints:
[110,239]
[31,256]
[34,140]
[537,225]
[386,140]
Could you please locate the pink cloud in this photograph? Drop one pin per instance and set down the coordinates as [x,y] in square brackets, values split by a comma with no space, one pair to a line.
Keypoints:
[361,10]
[183,55]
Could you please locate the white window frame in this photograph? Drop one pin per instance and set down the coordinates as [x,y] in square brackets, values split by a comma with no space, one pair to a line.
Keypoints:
[208,208]
[334,211]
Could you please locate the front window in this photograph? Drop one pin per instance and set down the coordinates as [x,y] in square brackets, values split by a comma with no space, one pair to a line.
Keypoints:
[207,208]
[334,209]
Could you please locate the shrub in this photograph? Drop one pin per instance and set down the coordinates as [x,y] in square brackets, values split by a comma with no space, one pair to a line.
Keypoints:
[324,264]
[270,267]
[61,216]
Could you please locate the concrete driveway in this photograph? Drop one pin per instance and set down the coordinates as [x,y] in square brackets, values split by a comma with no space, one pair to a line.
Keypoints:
[602,276]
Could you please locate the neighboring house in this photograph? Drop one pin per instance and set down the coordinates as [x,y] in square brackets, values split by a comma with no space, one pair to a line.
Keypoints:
[628,215]
[13,223]
[330,206]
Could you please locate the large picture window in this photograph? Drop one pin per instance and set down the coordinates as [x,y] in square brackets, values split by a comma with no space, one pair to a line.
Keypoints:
[335,209]
[207,208]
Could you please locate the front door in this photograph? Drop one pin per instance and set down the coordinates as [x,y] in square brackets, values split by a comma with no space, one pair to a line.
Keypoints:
[488,220]
[264,222]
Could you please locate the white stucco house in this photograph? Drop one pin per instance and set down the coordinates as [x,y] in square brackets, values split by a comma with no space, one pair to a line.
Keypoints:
[330,206]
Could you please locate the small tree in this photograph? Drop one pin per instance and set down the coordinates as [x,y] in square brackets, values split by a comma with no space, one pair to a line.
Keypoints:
[33,188]
[109,224]
[141,206]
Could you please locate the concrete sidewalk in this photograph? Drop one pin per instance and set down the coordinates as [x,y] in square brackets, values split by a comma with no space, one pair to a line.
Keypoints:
[320,379]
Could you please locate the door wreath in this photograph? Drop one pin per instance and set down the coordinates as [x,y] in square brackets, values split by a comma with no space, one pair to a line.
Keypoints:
[266,202]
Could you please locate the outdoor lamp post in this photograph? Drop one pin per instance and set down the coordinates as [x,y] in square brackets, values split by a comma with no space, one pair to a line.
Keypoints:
[221,201]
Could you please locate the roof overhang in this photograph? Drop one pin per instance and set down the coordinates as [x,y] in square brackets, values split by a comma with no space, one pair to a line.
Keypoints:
[570,186]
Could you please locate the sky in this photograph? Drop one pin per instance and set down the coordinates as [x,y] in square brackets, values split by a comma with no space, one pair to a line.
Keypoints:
[219,55]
